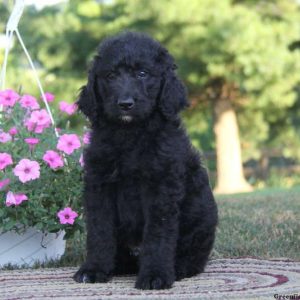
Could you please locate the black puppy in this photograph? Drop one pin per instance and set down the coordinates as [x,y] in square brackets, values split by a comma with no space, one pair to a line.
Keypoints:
[149,207]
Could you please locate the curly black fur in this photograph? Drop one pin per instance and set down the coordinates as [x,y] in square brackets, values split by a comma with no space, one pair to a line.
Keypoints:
[149,207]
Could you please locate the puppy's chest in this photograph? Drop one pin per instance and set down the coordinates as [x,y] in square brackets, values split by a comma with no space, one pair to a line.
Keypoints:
[134,163]
[130,217]
[132,155]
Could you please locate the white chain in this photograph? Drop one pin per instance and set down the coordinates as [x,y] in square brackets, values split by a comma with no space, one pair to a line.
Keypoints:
[11,26]
[15,16]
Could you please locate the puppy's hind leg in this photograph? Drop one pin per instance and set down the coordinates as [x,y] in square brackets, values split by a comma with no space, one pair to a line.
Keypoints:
[192,254]
[197,234]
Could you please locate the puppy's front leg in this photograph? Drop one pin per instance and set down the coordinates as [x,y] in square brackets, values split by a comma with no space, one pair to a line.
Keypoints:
[159,243]
[101,241]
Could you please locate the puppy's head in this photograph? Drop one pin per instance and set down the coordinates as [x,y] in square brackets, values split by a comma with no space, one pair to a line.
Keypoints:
[131,76]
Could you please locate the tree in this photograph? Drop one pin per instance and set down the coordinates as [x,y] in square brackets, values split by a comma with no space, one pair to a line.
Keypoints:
[234,54]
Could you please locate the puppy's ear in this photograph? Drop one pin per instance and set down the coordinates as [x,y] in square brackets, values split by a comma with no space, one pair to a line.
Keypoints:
[173,96]
[89,97]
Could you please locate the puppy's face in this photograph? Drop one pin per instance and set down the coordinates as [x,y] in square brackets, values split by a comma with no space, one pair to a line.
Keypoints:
[129,77]
[132,76]
[129,91]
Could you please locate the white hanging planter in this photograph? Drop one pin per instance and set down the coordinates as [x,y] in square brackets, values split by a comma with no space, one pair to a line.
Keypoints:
[30,247]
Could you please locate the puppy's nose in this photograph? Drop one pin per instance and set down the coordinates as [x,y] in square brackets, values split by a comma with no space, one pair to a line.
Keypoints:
[126,104]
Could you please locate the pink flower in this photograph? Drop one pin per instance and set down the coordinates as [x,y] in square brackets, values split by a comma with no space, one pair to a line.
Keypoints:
[86,138]
[8,98]
[81,160]
[5,137]
[68,143]
[31,126]
[40,117]
[67,216]
[38,121]
[4,183]
[28,101]
[53,159]
[49,97]
[31,141]
[27,170]
[14,199]
[13,131]
[67,108]
[5,160]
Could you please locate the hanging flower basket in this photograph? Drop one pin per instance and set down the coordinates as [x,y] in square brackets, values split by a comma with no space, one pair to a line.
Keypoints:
[40,181]
[40,169]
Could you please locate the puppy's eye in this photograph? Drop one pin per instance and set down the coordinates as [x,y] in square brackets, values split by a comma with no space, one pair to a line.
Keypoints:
[141,74]
[111,76]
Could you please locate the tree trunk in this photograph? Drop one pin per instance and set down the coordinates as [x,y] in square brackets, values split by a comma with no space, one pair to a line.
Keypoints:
[230,176]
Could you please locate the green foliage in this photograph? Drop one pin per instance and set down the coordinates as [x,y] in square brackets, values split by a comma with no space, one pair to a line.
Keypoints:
[280,178]
[243,46]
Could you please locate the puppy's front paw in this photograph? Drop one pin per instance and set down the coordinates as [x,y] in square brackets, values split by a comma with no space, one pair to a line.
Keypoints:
[90,274]
[152,281]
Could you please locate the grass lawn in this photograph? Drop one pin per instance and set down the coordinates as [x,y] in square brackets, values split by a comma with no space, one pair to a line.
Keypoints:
[264,223]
